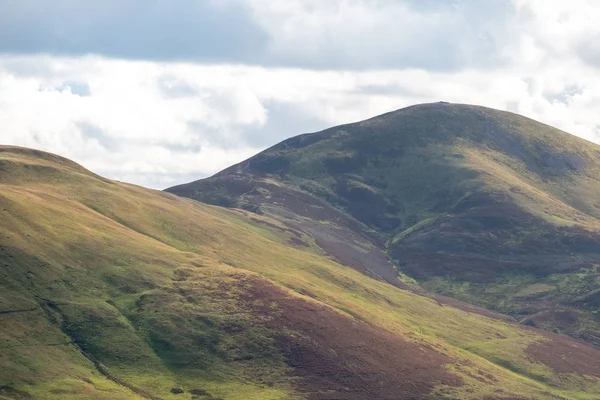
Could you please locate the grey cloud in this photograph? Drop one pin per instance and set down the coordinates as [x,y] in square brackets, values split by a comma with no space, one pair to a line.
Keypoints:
[218,137]
[175,88]
[24,67]
[433,5]
[564,95]
[189,147]
[75,87]
[91,132]
[386,90]
[460,33]
[284,120]
[450,35]
[205,30]
[589,51]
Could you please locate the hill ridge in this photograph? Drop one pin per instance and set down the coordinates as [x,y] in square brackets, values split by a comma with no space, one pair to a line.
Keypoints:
[446,186]
[234,305]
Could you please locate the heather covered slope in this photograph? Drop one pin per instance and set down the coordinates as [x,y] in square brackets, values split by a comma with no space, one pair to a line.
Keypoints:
[482,205]
[111,291]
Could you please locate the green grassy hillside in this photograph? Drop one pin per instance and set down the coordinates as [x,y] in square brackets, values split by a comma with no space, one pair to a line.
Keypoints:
[482,205]
[112,291]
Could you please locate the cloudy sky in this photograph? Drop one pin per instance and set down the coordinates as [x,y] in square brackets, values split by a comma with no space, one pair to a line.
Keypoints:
[160,92]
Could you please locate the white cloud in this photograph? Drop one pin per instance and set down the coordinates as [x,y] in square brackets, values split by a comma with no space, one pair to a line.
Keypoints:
[349,34]
[125,126]
[160,123]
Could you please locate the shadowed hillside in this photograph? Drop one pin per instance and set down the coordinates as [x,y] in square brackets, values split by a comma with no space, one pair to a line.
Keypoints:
[112,291]
[482,205]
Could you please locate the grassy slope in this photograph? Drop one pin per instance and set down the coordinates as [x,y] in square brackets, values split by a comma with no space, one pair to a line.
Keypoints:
[476,203]
[148,286]
[425,159]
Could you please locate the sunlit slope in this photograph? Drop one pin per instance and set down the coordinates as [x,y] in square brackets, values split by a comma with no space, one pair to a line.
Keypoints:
[110,291]
[480,204]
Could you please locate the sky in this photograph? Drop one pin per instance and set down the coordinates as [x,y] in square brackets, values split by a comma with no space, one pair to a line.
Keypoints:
[163,92]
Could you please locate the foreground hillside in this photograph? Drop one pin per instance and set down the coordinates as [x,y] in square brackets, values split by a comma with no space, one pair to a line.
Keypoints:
[485,206]
[112,291]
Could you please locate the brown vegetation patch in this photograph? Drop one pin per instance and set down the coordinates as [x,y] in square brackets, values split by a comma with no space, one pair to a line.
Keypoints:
[339,357]
[553,318]
[336,232]
[566,356]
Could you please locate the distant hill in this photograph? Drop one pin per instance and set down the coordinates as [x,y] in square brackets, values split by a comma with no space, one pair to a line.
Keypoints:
[113,291]
[482,205]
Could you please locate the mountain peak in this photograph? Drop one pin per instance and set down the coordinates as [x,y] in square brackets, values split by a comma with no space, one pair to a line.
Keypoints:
[450,193]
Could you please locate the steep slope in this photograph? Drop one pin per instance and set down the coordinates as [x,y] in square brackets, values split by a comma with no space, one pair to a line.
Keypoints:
[479,204]
[112,291]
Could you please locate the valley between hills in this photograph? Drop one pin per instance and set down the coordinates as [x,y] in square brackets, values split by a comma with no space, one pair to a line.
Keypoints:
[441,251]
